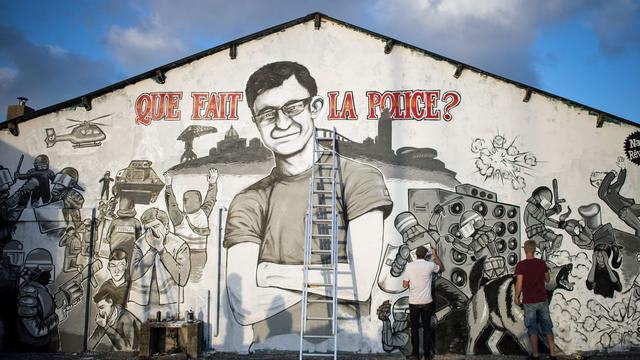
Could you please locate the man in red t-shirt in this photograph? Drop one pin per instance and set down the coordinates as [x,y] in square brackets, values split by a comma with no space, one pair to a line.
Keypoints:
[531,275]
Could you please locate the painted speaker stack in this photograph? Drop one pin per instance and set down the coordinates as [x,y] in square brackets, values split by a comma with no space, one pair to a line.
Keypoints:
[503,218]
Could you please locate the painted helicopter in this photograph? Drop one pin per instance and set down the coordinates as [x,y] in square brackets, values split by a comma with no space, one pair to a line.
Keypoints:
[84,134]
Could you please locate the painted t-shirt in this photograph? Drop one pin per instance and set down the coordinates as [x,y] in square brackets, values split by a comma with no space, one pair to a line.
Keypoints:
[272,211]
[533,290]
[120,292]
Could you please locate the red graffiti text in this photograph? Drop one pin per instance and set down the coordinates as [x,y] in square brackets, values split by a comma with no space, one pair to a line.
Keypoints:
[413,104]
[346,111]
[157,106]
[215,106]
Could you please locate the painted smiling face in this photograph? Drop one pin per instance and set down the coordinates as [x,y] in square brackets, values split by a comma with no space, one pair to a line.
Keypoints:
[284,116]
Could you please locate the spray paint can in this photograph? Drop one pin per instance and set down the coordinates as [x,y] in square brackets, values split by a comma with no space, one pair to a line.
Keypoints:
[159,316]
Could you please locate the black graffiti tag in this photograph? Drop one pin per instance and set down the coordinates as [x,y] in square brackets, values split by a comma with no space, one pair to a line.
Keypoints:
[632,147]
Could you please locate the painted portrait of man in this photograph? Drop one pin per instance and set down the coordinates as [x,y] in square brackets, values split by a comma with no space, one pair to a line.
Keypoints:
[265,226]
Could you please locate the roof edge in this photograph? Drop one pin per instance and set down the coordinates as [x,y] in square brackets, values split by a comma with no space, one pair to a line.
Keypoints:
[78,101]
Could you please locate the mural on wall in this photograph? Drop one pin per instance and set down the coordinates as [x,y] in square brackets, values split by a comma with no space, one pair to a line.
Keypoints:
[192,224]
[141,254]
[188,135]
[264,232]
[501,161]
[83,134]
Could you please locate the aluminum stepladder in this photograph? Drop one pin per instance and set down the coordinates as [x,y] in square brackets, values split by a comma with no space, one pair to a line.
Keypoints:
[321,238]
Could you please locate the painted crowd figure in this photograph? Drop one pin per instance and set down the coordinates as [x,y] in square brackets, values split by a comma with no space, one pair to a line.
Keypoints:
[118,284]
[192,224]
[125,229]
[106,184]
[626,208]
[120,326]
[161,262]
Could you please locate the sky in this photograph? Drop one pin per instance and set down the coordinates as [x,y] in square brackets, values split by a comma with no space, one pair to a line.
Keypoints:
[584,50]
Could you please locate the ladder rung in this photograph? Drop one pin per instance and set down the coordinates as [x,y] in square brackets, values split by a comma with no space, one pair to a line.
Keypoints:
[317,267]
[323,177]
[322,318]
[320,285]
[322,205]
[324,138]
[324,151]
[317,354]
[321,235]
[322,191]
[321,251]
[324,163]
[320,336]
[322,220]
[324,301]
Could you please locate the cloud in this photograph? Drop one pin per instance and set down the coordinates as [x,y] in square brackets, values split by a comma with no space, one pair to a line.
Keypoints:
[7,76]
[496,36]
[141,47]
[617,26]
[493,35]
[46,74]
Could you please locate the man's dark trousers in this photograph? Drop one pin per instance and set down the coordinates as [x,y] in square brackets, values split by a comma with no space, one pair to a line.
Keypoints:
[418,314]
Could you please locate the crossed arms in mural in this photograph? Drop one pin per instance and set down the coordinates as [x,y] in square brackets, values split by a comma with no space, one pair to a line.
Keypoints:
[258,291]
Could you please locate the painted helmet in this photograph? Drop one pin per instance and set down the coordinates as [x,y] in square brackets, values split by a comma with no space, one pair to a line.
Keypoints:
[470,221]
[67,177]
[40,260]
[14,251]
[41,162]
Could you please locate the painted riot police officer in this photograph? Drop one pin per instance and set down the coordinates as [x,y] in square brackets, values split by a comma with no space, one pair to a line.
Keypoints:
[66,189]
[37,319]
[537,219]
[42,176]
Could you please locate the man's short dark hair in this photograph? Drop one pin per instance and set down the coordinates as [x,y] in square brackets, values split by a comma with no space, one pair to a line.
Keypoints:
[118,254]
[421,252]
[273,75]
[104,293]
[155,214]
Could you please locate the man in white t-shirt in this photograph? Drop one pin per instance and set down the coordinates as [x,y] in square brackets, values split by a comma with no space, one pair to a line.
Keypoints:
[417,278]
